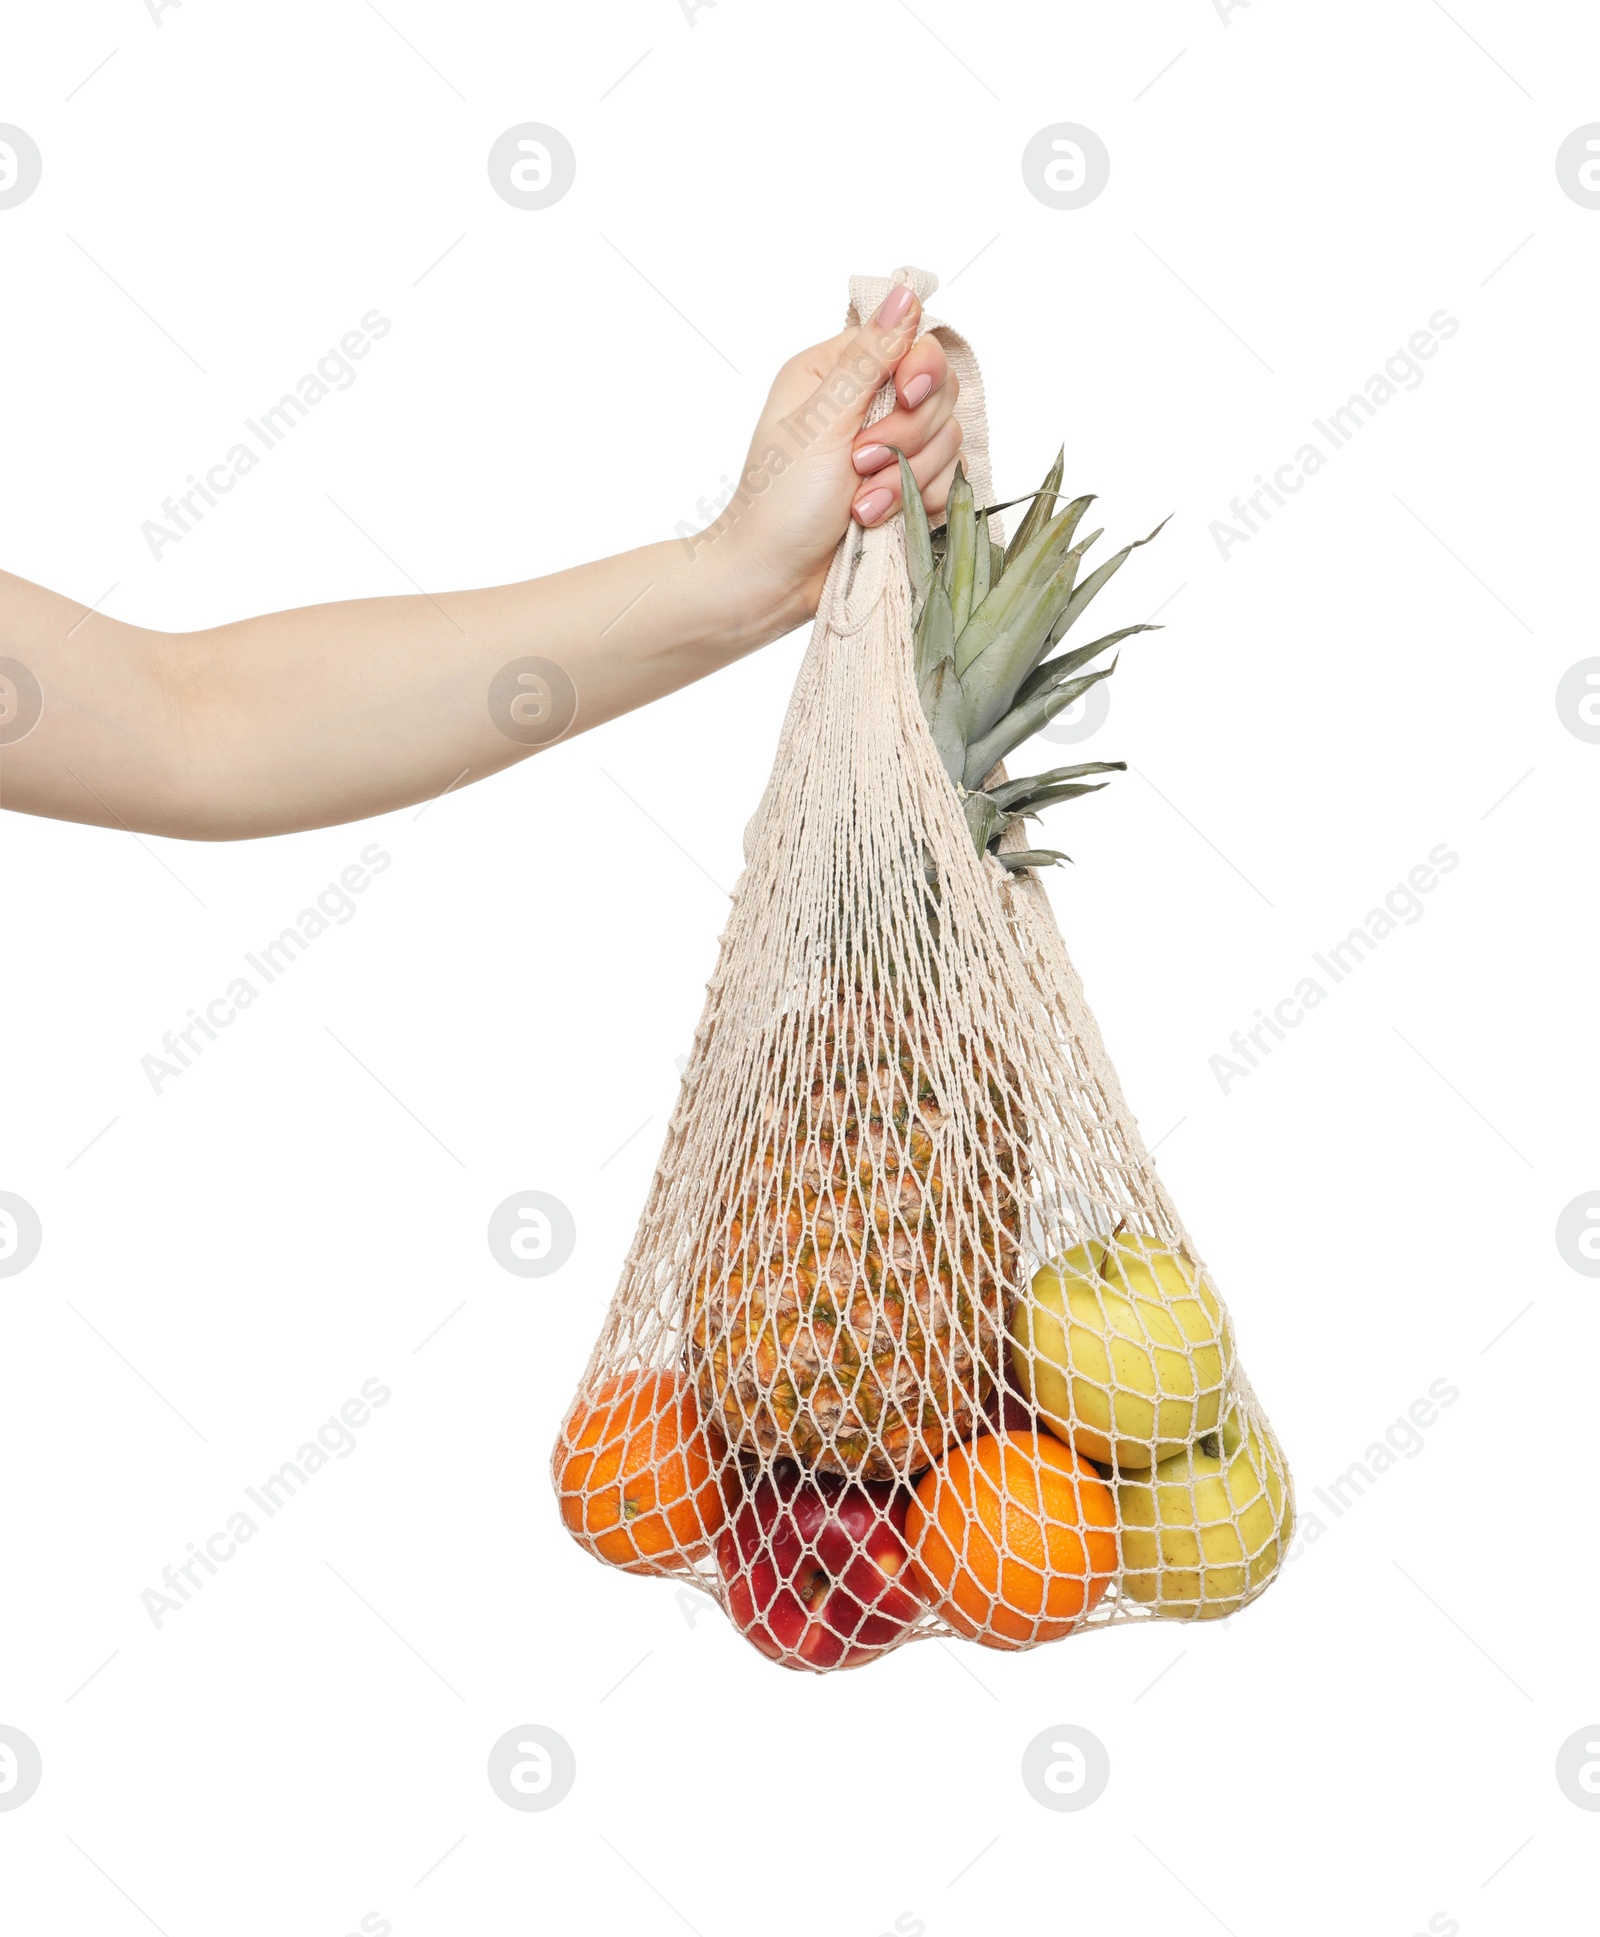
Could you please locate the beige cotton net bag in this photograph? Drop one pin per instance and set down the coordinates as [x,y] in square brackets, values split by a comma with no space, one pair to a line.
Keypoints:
[910,1339]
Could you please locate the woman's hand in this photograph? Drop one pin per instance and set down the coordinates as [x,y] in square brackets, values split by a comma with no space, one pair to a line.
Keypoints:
[813,466]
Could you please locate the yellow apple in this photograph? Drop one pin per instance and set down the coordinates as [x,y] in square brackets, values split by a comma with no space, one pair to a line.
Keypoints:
[1124,1349]
[1208,1529]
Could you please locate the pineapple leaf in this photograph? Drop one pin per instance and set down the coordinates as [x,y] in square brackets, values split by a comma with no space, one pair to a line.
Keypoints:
[1023,721]
[960,549]
[985,821]
[1051,671]
[919,546]
[935,632]
[1031,857]
[982,564]
[945,705]
[1014,794]
[1095,581]
[1044,502]
[1049,796]
[1053,538]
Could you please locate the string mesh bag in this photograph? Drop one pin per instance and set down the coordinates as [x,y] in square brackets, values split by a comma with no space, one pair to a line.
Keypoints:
[911,1340]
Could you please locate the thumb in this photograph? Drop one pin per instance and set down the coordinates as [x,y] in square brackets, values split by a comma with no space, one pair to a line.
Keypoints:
[866,361]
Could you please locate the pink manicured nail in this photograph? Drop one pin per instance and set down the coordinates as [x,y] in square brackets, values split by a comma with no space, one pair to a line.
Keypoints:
[893,308]
[916,390]
[872,457]
[872,507]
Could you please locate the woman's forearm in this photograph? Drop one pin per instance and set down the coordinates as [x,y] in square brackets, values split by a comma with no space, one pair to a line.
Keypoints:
[335,712]
[416,695]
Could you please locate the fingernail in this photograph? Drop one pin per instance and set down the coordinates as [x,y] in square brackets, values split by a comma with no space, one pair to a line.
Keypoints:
[894,307]
[872,507]
[916,390]
[872,457]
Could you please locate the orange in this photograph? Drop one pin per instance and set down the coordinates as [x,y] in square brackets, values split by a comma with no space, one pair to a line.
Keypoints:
[1013,1538]
[635,1473]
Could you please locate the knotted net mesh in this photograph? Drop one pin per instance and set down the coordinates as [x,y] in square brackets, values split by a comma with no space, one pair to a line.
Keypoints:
[910,1339]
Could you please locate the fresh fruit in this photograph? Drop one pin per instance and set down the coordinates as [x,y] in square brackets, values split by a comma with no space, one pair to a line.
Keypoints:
[816,1571]
[636,1473]
[849,1312]
[1207,1530]
[1125,1350]
[986,617]
[1012,1538]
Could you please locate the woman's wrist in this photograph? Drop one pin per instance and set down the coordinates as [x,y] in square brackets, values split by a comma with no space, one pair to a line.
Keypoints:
[746,600]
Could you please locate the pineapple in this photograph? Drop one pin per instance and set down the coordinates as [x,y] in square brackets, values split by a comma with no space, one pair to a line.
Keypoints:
[849,1310]
[857,1302]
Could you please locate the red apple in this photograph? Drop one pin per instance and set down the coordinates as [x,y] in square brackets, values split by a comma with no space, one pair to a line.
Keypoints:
[816,1569]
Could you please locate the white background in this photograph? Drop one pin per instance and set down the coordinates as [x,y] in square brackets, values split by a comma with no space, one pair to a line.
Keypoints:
[1298,192]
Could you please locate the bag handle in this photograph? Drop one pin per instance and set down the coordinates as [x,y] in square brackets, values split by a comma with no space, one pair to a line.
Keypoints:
[866,293]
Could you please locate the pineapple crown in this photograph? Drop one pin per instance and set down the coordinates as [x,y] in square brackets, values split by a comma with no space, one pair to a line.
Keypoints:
[986,616]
